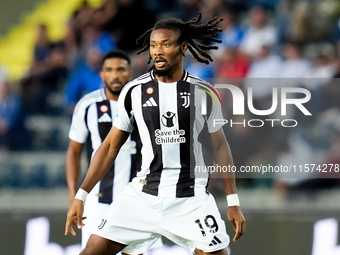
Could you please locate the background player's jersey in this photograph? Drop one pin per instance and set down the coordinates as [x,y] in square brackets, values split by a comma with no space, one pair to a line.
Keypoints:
[91,122]
[174,121]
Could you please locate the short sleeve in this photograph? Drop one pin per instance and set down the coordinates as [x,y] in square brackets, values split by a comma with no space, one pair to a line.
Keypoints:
[215,119]
[124,115]
[78,131]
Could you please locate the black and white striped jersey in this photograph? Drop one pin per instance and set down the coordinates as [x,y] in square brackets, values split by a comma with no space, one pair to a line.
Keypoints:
[91,122]
[174,121]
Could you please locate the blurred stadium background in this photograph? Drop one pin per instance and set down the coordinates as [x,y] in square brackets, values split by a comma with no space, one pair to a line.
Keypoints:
[47,46]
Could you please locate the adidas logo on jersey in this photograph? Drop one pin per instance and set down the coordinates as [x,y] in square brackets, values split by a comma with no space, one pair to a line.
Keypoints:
[150,102]
[105,118]
[215,241]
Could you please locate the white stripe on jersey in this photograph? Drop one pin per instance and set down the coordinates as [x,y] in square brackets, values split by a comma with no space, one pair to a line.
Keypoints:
[168,97]
[92,123]
[78,131]
[201,98]
[198,126]
[170,151]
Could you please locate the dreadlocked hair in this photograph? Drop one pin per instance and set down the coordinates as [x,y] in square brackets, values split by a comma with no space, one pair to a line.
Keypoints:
[190,30]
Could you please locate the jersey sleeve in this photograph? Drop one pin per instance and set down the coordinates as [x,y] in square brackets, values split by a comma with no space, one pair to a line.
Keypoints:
[79,131]
[124,115]
[215,120]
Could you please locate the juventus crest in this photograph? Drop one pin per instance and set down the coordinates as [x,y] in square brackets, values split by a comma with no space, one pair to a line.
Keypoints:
[186,99]
[102,224]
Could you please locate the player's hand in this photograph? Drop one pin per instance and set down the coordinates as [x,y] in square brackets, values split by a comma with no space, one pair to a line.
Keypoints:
[236,217]
[75,217]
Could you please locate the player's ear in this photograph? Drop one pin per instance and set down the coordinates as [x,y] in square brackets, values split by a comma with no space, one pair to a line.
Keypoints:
[101,75]
[184,47]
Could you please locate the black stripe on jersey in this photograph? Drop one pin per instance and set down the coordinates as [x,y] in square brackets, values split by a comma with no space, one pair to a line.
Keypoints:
[86,116]
[89,148]
[127,101]
[105,189]
[186,116]
[209,105]
[151,118]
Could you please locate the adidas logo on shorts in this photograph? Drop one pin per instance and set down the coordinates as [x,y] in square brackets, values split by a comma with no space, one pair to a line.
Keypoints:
[215,241]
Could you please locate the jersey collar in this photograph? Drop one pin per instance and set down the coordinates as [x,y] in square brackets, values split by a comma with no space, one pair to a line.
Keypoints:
[184,78]
[103,94]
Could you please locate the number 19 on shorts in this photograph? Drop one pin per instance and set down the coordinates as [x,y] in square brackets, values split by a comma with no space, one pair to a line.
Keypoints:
[209,222]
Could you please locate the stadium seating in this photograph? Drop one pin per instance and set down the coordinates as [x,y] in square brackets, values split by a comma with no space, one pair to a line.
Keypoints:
[17,55]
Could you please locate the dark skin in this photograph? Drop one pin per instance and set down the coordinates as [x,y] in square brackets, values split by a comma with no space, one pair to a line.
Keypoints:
[167,54]
[115,73]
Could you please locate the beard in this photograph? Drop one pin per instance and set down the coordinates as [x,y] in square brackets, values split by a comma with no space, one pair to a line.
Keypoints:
[162,73]
[116,93]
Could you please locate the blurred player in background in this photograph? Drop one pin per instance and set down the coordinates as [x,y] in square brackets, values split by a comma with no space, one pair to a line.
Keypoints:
[171,199]
[91,122]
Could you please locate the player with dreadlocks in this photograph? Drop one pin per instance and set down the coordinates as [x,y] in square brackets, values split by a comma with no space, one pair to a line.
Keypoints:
[189,31]
[168,197]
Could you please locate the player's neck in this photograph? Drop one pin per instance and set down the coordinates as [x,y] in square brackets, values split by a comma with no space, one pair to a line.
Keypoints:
[110,95]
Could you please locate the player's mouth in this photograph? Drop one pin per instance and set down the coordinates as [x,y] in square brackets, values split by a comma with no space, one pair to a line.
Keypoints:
[116,83]
[160,62]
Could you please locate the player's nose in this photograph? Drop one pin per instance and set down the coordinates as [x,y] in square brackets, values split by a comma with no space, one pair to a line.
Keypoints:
[114,74]
[158,51]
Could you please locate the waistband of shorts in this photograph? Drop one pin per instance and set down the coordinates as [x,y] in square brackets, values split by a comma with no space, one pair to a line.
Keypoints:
[137,184]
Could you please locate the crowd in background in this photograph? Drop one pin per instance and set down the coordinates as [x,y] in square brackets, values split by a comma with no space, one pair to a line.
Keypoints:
[265,44]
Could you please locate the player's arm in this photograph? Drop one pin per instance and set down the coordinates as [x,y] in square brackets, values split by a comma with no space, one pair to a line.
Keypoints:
[223,157]
[104,157]
[100,164]
[73,168]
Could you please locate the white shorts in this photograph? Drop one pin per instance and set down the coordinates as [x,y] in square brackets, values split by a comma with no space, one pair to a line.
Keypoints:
[138,219]
[94,211]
